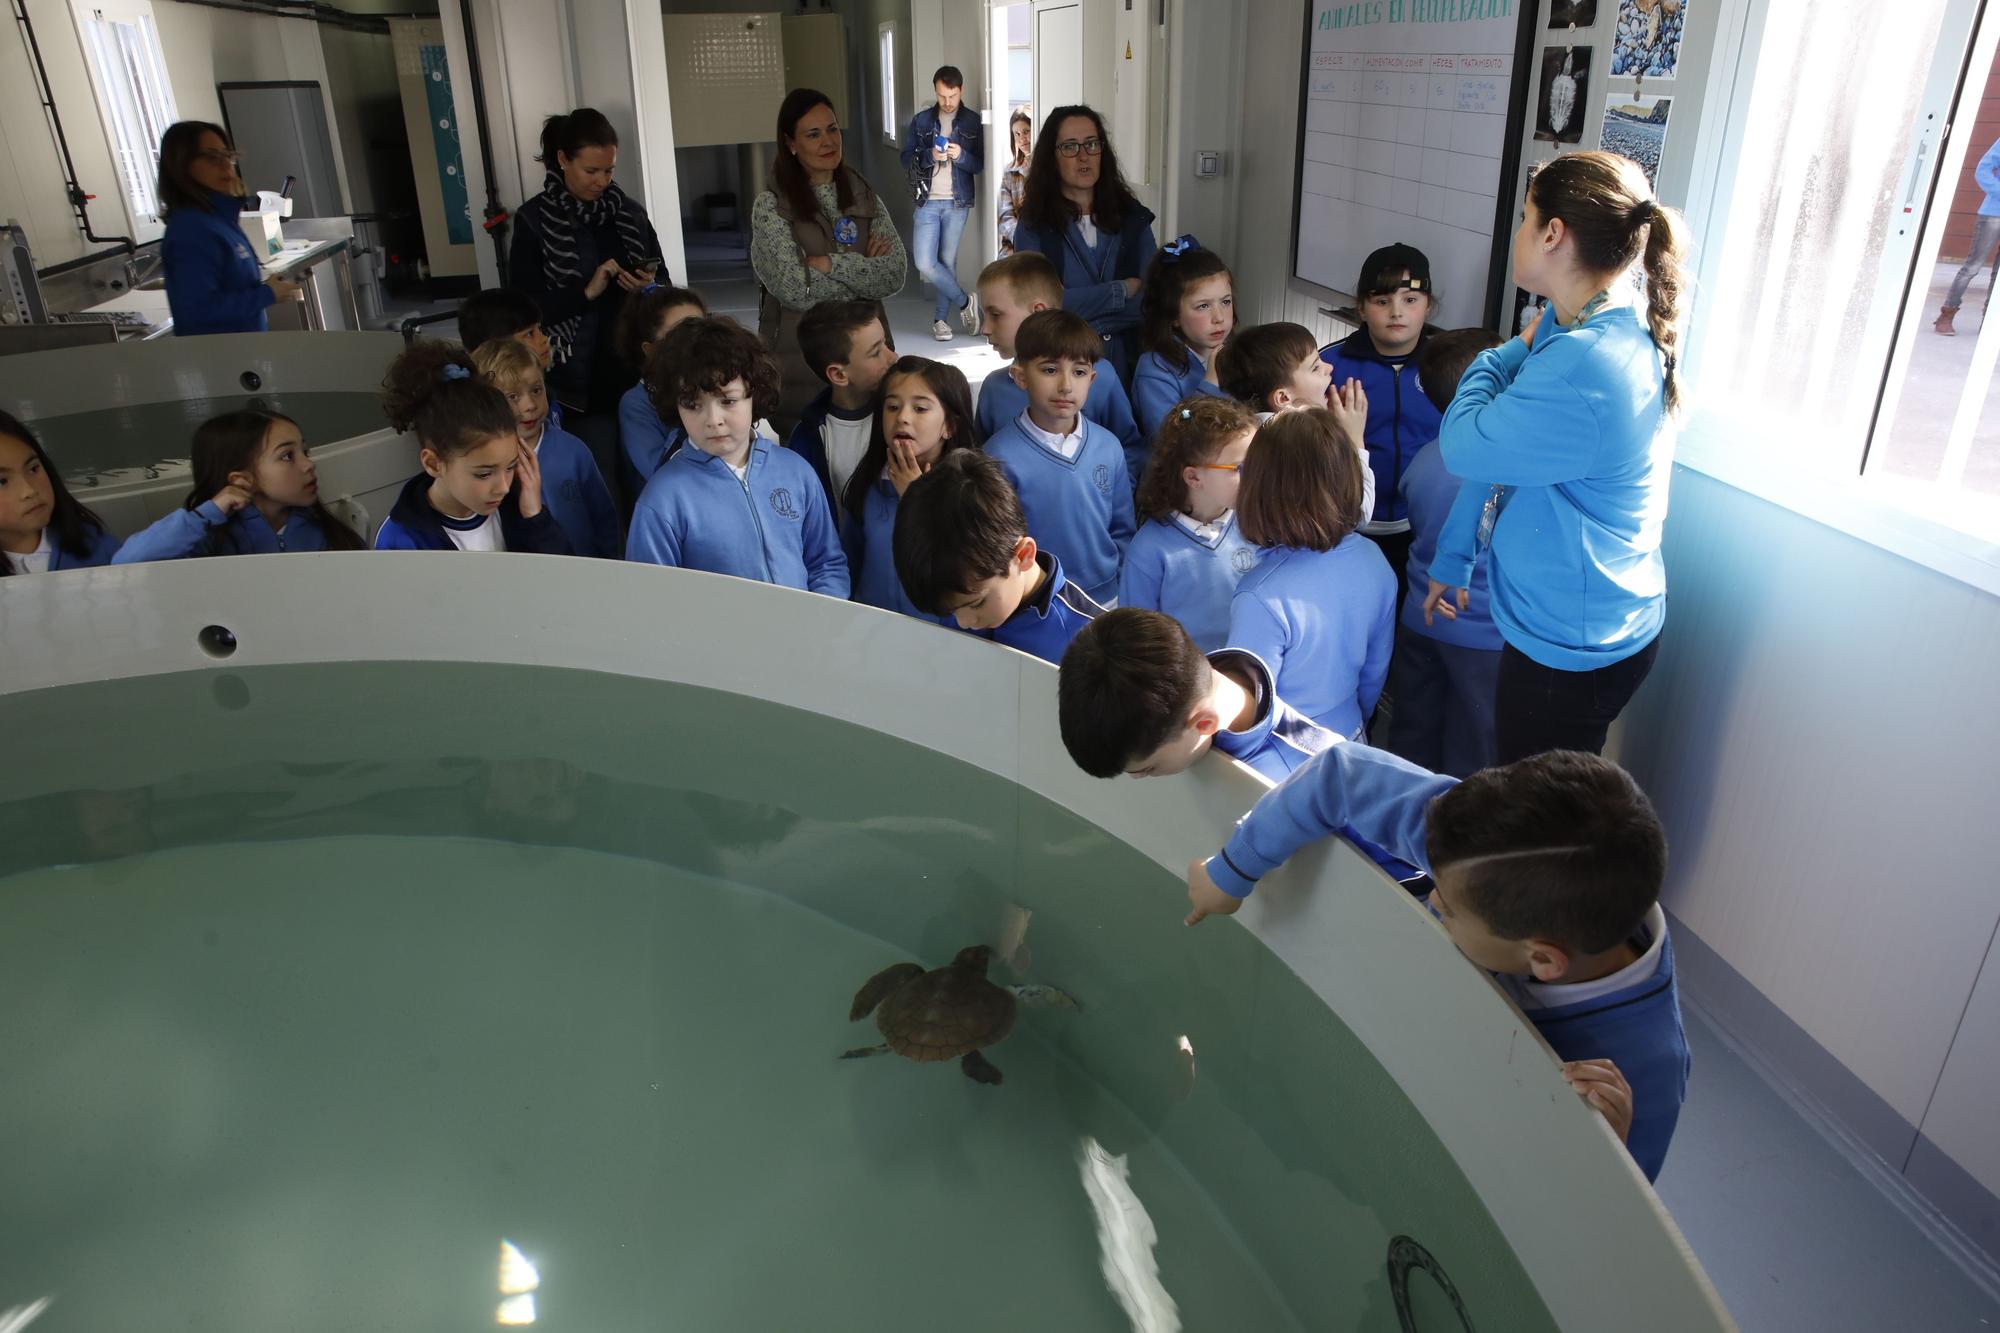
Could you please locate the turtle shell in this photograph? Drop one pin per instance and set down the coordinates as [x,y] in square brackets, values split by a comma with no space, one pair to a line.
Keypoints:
[945,1014]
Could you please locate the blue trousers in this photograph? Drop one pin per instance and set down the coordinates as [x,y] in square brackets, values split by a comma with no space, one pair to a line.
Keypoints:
[935,234]
[1442,717]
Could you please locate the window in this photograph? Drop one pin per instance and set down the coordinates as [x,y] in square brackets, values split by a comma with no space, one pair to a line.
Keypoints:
[129,74]
[1839,227]
[887,49]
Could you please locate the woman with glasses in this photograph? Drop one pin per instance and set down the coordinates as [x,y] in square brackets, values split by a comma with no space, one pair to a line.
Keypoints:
[215,280]
[1077,210]
[818,234]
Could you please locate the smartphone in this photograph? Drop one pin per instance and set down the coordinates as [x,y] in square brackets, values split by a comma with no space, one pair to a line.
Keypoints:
[640,266]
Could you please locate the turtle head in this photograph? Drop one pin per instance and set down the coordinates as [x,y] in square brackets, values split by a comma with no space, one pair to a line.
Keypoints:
[975,959]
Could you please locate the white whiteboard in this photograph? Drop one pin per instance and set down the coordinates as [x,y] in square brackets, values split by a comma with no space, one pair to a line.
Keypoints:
[1403,139]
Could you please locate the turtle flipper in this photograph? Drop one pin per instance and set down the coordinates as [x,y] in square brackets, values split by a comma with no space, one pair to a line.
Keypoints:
[860,1051]
[1046,997]
[878,988]
[978,1068]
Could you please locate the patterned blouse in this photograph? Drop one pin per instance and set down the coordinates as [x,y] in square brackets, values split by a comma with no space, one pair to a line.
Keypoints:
[775,257]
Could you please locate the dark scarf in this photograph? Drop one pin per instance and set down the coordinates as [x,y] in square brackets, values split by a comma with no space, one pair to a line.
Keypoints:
[561,266]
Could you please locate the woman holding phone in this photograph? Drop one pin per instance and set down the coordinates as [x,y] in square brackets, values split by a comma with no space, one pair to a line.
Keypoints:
[580,248]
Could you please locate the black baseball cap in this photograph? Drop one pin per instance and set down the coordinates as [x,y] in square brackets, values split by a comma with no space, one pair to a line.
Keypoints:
[1379,270]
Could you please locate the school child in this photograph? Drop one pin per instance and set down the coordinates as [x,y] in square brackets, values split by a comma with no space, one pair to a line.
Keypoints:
[572,488]
[1320,607]
[256,492]
[1547,874]
[962,550]
[732,502]
[926,413]
[42,527]
[846,344]
[645,438]
[1010,290]
[1275,368]
[1189,552]
[1396,303]
[1445,670]
[481,489]
[1186,313]
[501,312]
[1068,472]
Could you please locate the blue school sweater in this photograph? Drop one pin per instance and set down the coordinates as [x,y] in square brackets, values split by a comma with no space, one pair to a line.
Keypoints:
[1429,491]
[206,530]
[1157,386]
[215,281]
[869,543]
[1575,432]
[1325,622]
[1401,417]
[646,439]
[772,526]
[100,547]
[413,525]
[1168,568]
[1001,400]
[1385,799]
[1080,509]
[1043,625]
[574,491]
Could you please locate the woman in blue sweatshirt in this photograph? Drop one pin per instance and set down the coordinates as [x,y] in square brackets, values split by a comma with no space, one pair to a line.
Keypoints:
[1565,437]
[1319,609]
[1077,210]
[215,281]
[256,492]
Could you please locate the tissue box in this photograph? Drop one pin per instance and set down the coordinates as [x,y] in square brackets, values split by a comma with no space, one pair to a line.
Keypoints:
[265,232]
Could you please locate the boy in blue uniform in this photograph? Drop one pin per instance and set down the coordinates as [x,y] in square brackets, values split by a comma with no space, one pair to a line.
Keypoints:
[644,438]
[499,312]
[1273,368]
[1010,290]
[1396,296]
[1547,874]
[730,502]
[1069,472]
[1445,669]
[962,550]
[572,487]
[847,345]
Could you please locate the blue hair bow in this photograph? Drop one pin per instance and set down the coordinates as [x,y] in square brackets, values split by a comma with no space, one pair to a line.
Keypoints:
[457,372]
[1180,246]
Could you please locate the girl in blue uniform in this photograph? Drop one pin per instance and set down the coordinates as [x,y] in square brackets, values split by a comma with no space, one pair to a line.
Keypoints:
[926,412]
[1186,315]
[255,492]
[1319,609]
[481,489]
[42,527]
[1189,554]
[215,281]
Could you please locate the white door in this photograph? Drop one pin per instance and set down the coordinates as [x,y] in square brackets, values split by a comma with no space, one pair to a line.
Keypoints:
[1058,55]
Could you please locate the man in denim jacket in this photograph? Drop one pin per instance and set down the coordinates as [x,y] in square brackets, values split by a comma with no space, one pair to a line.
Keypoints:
[941,153]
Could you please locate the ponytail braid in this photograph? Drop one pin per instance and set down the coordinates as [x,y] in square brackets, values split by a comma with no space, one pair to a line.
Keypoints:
[1666,281]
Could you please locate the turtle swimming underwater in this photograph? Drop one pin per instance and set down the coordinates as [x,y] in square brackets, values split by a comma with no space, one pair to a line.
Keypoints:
[949,1013]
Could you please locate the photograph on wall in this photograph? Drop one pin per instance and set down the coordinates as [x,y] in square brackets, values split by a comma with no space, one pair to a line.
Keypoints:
[1572,13]
[1648,42]
[1565,88]
[1527,309]
[1637,128]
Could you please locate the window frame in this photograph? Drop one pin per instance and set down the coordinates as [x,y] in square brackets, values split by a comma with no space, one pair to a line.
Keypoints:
[1711,441]
[96,42]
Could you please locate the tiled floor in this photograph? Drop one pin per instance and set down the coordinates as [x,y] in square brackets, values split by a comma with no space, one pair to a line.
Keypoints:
[1796,1238]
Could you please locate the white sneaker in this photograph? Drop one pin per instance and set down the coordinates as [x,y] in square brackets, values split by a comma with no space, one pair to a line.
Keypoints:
[942,330]
[968,315]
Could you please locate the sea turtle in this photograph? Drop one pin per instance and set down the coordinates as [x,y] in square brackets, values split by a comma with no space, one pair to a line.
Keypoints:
[949,1013]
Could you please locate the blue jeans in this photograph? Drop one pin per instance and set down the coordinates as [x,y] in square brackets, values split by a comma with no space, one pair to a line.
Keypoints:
[939,224]
[1985,235]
